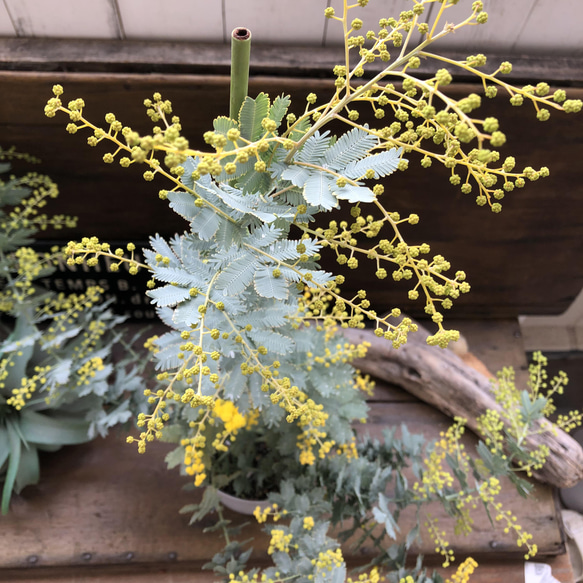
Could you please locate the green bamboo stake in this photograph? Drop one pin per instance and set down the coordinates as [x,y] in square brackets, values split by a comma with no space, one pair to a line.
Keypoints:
[240,51]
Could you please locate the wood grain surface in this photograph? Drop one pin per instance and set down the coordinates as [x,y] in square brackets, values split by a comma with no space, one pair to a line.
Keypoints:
[102,503]
[523,261]
[102,513]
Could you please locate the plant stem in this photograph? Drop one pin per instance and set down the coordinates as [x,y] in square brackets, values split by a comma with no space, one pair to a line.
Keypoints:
[240,51]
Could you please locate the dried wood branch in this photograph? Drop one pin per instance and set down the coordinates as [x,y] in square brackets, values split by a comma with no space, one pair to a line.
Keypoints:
[443,380]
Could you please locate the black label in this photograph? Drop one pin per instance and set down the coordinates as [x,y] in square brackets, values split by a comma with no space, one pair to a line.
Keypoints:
[128,292]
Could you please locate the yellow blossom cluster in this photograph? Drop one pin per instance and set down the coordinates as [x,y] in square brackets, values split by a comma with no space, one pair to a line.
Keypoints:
[518,410]
[523,538]
[65,309]
[89,340]
[232,420]
[308,523]
[568,422]
[364,383]
[280,541]
[373,576]
[261,514]
[340,353]
[489,489]
[328,560]
[228,413]
[463,572]
[348,449]
[310,439]
[90,249]
[441,544]
[26,215]
[435,477]
[28,265]
[193,460]
[88,370]
[28,386]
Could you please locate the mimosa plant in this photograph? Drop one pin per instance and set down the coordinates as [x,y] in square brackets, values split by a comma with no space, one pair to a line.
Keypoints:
[252,342]
[58,383]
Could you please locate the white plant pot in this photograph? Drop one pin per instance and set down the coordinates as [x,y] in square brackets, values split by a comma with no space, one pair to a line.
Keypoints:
[241,505]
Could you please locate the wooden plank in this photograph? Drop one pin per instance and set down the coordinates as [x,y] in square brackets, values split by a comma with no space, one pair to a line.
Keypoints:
[155,55]
[547,216]
[110,505]
[489,571]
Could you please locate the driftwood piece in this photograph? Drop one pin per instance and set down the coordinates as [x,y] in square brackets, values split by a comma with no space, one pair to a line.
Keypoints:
[442,379]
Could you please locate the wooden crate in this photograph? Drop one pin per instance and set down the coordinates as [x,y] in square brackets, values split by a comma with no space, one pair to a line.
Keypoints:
[502,254]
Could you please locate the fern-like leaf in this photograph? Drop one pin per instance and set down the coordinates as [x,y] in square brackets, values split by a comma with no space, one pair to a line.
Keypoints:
[268,286]
[167,359]
[273,316]
[318,276]
[279,108]
[161,247]
[317,191]
[252,205]
[228,234]
[351,146]
[284,250]
[300,129]
[315,148]
[182,203]
[355,193]
[264,236]
[221,126]
[189,166]
[178,276]
[273,341]
[187,314]
[165,315]
[253,111]
[297,175]
[206,223]
[382,164]
[168,295]
[233,304]
[237,275]
[255,182]
[291,275]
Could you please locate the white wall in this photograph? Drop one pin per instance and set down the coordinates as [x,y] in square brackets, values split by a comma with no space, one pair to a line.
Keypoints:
[516,26]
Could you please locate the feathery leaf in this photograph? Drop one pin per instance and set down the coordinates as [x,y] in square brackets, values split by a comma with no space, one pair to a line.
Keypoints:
[253,111]
[268,286]
[351,146]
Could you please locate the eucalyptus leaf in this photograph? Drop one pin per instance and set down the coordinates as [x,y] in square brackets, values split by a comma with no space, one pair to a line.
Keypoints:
[13,463]
[52,430]
[4,445]
[28,473]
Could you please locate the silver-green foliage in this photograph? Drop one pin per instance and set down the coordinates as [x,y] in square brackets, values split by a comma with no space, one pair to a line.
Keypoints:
[58,383]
